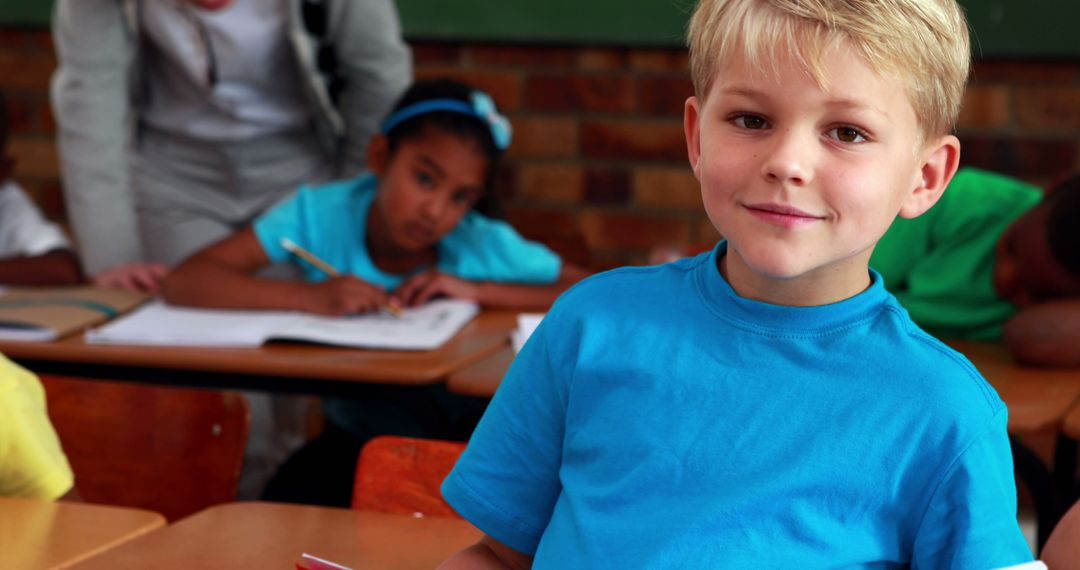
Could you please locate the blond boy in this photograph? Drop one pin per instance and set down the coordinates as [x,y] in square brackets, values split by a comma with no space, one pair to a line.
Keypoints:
[767,404]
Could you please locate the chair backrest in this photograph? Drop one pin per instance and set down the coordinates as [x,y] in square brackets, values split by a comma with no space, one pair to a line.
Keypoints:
[403,475]
[1062,549]
[171,450]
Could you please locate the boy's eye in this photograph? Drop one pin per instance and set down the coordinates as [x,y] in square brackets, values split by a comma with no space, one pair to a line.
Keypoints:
[425,179]
[752,122]
[848,135]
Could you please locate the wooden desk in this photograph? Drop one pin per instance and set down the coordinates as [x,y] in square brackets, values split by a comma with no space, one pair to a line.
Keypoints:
[41,534]
[270,535]
[1038,398]
[283,367]
[482,378]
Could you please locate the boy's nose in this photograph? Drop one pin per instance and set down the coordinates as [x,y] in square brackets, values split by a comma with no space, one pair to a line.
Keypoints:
[790,159]
[434,208]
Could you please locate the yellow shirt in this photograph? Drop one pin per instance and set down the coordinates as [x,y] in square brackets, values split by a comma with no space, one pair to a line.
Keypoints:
[32,465]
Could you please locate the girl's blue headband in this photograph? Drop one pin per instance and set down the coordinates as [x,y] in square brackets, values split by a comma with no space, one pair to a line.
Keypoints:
[479,105]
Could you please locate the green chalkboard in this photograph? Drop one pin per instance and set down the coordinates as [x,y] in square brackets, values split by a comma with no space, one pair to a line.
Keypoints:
[1003,28]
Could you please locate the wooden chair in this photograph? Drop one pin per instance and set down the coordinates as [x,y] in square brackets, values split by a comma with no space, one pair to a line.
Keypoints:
[403,475]
[171,450]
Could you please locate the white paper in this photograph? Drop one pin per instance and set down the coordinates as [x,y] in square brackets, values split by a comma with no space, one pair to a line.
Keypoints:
[527,323]
[422,328]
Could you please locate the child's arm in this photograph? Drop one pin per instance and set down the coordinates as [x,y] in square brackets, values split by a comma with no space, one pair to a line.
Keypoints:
[488,553]
[223,276]
[1046,333]
[57,267]
[423,287]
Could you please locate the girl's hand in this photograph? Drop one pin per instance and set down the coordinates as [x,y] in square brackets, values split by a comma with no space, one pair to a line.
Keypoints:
[421,288]
[146,277]
[346,294]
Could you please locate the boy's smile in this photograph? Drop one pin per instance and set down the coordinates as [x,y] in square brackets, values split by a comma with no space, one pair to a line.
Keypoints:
[802,179]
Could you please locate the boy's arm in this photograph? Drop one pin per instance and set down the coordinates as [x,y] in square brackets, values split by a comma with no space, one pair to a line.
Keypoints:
[57,267]
[223,276]
[488,553]
[1045,333]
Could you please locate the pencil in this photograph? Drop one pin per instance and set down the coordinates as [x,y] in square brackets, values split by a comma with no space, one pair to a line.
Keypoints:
[393,308]
[309,257]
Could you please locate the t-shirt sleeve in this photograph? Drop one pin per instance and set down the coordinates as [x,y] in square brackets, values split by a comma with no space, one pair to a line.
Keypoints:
[483,249]
[32,464]
[507,481]
[971,518]
[285,220]
[24,231]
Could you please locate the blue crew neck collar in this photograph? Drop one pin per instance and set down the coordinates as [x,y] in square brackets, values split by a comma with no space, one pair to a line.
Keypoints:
[766,317]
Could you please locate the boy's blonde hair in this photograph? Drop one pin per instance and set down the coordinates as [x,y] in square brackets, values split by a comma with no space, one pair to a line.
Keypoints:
[923,42]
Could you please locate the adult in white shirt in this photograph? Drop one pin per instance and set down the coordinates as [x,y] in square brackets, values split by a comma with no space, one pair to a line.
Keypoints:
[181,120]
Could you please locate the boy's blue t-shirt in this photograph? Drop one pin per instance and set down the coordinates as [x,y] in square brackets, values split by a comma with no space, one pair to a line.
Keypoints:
[330,221]
[656,419]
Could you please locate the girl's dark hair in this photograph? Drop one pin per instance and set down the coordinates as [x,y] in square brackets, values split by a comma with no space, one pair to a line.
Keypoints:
[1063,200]
[463,125]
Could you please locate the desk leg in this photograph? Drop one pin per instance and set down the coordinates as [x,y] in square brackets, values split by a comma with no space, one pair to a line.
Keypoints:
[1040,484]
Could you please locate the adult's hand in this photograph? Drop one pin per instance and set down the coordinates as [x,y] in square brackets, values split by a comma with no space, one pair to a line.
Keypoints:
[146,277]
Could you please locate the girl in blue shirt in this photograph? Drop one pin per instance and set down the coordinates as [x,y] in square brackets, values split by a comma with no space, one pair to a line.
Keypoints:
[414,228]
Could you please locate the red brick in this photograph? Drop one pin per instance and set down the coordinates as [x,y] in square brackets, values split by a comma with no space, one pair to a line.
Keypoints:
[634,140]
[522,55]
[46,121]
[535,222]
[26,71]
[667,188]
[623,230]
[705,232]
[674,59]
[603,59]
[1021,72]
[20,113]
[551,183]
[36,157]
[503,86]
[573,92]
[14,39]
[1049,108]
[1027,159]
[543,137]
[610,186]
[436,52]
[50,198]
[985,107]
[664,95]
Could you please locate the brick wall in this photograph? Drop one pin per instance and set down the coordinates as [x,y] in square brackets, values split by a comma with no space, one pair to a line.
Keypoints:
[598,150]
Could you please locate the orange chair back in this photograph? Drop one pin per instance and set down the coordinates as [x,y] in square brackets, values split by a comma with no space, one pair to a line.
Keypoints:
[171,450]
[403,475]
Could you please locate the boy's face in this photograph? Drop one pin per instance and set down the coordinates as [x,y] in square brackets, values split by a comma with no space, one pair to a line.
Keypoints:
[802,180]
[1025,269]
[425,187]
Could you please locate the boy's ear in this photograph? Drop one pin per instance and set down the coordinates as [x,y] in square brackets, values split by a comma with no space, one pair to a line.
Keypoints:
[940,159]
[691,114]
[378,154]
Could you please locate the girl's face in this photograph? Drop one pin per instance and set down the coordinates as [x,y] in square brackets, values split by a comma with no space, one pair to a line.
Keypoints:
[425,187]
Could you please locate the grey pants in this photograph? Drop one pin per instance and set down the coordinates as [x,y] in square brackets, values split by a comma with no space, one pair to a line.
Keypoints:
[190,194]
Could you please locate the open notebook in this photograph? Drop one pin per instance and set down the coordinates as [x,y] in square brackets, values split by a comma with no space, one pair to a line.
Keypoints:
[422,328]
[49,313]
